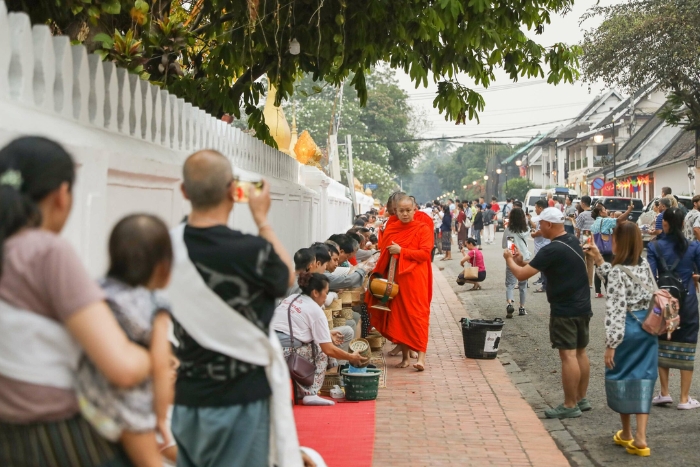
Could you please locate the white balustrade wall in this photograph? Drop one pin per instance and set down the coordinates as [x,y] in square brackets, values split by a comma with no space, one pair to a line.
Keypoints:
[129,139]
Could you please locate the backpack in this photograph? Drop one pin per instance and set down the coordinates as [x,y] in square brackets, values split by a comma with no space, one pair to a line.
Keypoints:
[662,315]
[669,278]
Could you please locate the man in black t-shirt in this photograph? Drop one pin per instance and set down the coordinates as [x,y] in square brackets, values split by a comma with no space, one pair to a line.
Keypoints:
[222,405]
[563,264]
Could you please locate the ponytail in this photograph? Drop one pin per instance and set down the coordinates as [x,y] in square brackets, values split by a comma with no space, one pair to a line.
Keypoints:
[31,167]
[312,281]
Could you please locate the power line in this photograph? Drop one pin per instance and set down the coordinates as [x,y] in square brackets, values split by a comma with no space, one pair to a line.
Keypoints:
[465,136]
[481,90]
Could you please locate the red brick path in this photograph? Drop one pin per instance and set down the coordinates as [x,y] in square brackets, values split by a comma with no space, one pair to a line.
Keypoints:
[459,411]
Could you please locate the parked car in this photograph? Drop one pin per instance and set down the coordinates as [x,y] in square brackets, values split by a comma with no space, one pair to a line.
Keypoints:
[531,198]
[620,204]
[499,216]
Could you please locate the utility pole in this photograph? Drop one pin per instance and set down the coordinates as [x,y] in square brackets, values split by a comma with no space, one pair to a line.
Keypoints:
[351,175]
[614,161]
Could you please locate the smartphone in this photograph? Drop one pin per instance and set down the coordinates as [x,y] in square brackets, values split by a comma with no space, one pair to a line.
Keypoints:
[511,244]
[243,188]
[586,236]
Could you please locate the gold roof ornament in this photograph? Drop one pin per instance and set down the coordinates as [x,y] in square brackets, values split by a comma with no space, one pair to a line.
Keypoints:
[358,185]
[368,192]
[306,148]
[276,121]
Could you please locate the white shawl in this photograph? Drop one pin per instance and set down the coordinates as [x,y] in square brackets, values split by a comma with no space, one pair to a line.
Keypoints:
[218,327]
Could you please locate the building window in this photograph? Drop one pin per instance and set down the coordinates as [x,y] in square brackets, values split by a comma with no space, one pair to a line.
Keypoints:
[602,150]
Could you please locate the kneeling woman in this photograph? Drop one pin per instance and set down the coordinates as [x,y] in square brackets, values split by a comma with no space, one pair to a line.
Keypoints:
[309,331]
[476,258]
[631,353]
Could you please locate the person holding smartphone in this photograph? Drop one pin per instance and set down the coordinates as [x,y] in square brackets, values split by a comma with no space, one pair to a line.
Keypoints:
[515,239]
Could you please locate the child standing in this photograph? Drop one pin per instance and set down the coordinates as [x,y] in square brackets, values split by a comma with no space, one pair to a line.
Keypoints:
[140,259]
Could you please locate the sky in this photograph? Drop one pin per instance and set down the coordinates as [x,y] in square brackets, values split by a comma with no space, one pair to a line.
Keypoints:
[529,102]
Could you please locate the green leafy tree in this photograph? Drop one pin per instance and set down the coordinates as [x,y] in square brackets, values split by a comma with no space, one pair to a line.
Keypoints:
[369,172]
[518,188]
[650,41]
[216,51]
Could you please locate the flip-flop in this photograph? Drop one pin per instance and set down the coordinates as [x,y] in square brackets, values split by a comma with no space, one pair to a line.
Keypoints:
[634,450]
[622,442]
[539,291]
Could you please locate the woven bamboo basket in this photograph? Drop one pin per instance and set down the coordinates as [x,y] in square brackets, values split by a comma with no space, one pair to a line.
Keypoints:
[362,346]
[328,382]
[336,305]
[375,342]
[338,322]
[356,294]
[346,297]
[328,312]
[346,313]
[330,323]
[338,313]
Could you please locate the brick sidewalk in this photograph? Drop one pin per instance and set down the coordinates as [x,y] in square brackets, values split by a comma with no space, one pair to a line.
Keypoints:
[459,411]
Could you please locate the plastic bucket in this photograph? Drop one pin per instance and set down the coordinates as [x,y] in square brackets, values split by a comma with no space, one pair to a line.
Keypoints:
[361,386]
[481,337]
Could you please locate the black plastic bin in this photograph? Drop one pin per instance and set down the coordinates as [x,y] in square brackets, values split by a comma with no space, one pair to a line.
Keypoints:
[481,337]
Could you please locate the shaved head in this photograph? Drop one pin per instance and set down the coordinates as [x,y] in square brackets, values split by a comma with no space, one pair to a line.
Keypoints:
[207,176]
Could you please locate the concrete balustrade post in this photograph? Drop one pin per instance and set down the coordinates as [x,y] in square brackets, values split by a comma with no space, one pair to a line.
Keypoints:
[157,113]
[123,101]
[136,102]
[21,74]
[5,53]
[44,65]
[111,102]
[166,123]
[81,83]
[63,83]
[96,98]
[146,110]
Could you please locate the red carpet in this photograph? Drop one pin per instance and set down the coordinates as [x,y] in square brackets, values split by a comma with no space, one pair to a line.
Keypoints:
[343,434]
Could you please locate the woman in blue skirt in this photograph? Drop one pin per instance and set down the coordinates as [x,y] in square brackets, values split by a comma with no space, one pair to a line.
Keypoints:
[669,250]
[631,354]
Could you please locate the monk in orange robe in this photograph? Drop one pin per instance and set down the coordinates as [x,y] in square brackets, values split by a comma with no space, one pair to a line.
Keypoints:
[410,239]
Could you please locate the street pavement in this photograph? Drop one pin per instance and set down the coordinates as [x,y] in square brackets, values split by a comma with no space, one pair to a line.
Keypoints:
[534,366]
[459,411]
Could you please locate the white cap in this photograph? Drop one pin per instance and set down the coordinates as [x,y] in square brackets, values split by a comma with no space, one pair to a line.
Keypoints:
[553,215]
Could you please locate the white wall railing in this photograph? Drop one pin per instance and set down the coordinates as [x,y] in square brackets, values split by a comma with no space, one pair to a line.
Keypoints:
[130,138]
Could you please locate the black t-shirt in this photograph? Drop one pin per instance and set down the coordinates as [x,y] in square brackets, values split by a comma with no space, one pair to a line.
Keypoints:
[246,273]
[562,262]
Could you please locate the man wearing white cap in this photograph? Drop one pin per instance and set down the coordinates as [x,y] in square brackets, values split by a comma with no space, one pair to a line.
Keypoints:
[563,264]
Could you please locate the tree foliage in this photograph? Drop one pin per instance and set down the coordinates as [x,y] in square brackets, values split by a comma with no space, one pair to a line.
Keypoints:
[214,52]
[643,41]
[469,163]
[518,188]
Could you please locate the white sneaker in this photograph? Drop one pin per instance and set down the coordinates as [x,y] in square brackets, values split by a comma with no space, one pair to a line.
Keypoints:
[662,400]
[691,404]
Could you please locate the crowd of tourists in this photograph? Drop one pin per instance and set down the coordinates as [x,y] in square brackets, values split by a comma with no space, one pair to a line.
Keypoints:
[646,299]
[184,351]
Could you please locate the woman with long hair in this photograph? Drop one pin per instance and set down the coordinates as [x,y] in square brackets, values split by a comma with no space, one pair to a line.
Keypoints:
[52,314]
[446,230]
[478,225]
[519,232]
[602,229]
[631,353]
[672,253]
[309,336]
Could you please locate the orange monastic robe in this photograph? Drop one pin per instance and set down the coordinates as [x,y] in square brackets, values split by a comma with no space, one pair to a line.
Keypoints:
[409,319]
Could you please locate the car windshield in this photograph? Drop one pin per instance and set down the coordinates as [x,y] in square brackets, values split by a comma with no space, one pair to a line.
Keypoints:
[620,204]
[534,199]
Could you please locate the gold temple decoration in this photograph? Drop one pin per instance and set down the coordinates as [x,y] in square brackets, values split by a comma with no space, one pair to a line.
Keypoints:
[276,121]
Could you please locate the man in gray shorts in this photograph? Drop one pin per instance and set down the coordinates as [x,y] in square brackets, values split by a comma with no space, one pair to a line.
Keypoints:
[563,264]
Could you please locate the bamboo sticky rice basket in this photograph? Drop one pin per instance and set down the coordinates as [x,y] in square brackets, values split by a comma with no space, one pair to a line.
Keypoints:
[362,346]
[347,313]
[338,322]
[346,297]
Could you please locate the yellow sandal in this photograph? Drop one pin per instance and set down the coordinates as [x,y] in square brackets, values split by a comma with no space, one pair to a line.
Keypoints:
[643,452]
[622,442]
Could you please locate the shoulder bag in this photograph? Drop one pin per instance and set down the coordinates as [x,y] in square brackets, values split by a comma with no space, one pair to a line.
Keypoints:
[300,369]
[471,273]
[467,221]
[662,315]
[603,241]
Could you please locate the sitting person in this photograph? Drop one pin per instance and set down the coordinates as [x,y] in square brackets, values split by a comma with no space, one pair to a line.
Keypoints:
[140,259]
[476,258]
[347,247]
[310,334]
[303,261]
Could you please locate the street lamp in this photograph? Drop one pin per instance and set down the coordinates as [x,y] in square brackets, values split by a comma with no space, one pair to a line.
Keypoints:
[474,183]
[499,171]
[465,187]
[486,177]
[598,138]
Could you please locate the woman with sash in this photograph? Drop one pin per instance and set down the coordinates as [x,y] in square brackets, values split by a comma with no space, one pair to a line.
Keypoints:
[51,314]
[631,354]
[409,240]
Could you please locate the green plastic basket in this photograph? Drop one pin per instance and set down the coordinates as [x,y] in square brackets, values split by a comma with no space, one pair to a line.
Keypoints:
[361,386]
